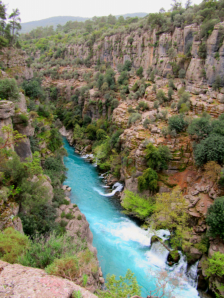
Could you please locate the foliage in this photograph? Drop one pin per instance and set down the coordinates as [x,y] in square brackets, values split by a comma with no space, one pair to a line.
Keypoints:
[43,251]
[177,123]
[148,180]
[157,157]
[133,118]
[33,89]
[55,140]
[160,95]
[170,213]
[66,267]
[210,149]
[139,72]
[9,89]
[215,265]
[201,127]
[126,286]
[215,219]
[134,204]
[12,245]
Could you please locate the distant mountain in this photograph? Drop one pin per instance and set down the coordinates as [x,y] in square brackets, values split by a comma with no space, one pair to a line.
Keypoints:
[54,21]
[132,15]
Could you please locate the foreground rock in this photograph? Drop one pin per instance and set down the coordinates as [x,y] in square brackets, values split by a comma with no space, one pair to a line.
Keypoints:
[19,281]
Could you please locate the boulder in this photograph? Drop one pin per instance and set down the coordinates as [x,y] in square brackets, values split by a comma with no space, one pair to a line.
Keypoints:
[19,281]
[7,109]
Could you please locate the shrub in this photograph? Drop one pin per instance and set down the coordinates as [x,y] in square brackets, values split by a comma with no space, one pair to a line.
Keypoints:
[148,180]
[210,149]
[184,99]
[161,96]
[79,217]
[43,251]
[24,119]
[215,265]
[170,93]
[218,83]
[67,267]
[126,286]
[177,123]
[9,89]
[143,106]
[139,72]
[33,89]
[55,140]
[181,73]
[215,219]
[123,78]
[101,134]
[12,245]
[201,127]
[127,65]
[133,118]
[157,157]
[137,205]
[114,103]
[146,123]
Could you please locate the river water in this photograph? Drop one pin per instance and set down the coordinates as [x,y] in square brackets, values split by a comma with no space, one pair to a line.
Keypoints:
[120,242]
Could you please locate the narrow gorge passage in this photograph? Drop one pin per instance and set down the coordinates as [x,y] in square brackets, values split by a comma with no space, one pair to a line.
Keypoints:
[120,243]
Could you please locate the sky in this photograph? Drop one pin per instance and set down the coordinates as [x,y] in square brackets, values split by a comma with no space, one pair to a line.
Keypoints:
[33,10]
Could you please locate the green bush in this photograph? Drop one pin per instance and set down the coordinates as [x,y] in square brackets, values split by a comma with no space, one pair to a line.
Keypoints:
[67,267]
[215,265]
[123,78]
[12,245]
[157,157]
[177,123]
[133,118]
[24,119]
[126,286]
[44,251]
[101,134]
[181,73]
[9,89]
[210,149]
[148,180]
[33,89]
[127,65]
[160,95]
[55,140]
[146,123]
[134,204]
[139,72]
[201,127]
[215,218]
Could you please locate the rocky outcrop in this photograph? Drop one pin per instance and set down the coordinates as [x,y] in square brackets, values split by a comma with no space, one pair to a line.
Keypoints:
[15,65]
[19,281]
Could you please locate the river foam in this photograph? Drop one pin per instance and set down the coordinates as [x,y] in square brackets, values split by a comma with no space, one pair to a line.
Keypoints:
[120,242]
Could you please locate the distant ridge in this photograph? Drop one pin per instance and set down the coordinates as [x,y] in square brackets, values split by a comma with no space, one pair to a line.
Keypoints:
[54,21]
[62,20]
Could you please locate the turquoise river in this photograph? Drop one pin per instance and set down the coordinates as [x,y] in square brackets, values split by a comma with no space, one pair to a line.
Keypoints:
[120,242]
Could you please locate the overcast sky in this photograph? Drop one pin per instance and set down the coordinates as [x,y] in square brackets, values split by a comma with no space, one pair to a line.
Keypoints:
[33,10]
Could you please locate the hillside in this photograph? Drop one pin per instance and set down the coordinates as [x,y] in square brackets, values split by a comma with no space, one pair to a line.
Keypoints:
[62,20]
[54,21]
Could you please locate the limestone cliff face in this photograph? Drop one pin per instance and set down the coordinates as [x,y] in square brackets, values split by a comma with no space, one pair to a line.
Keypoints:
[14,64]
[150,48]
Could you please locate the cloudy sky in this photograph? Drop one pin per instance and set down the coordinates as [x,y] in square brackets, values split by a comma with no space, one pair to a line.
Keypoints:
[33,10]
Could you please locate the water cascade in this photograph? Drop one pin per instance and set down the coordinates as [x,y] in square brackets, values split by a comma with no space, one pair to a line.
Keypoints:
[120,242]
